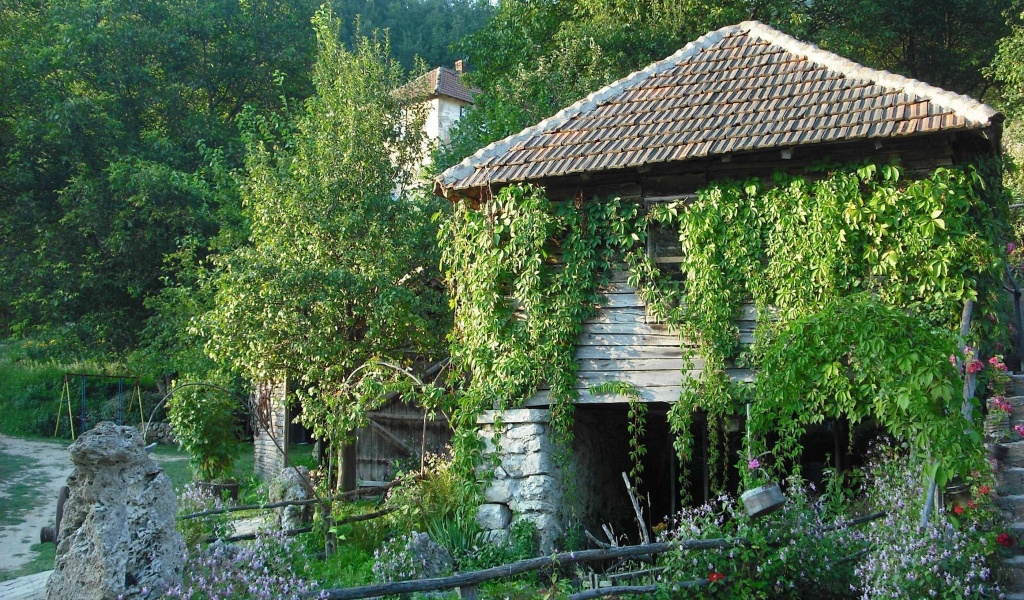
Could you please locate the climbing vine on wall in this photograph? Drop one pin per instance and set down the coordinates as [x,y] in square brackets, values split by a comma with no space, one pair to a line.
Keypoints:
[797,244]
[524,273]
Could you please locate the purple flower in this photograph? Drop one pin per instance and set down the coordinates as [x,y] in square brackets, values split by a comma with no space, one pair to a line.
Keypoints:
[754,464]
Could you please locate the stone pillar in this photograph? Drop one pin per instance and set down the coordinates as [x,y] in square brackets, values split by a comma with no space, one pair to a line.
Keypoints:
[117,537]
[526,484]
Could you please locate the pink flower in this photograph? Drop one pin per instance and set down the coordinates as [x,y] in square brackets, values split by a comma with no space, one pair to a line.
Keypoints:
[1000,403]
[997,362]
[952,360]
[1019,428]
[1010,247]
[974,366]
[756,464]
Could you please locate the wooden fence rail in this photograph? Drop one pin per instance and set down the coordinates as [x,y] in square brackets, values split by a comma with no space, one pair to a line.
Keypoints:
[467,583]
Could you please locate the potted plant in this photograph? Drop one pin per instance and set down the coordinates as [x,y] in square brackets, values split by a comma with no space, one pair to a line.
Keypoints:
[765,497]
[207,427]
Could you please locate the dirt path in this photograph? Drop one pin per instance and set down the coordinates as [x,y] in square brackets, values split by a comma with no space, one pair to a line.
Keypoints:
[28,495]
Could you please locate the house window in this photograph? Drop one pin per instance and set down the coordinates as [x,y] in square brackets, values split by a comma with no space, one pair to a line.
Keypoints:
[663,244]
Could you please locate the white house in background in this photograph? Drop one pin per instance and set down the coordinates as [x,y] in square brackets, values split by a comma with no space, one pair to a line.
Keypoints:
[448,98]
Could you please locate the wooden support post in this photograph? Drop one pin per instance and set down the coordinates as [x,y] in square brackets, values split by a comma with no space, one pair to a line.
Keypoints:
[467,592]
[349,460]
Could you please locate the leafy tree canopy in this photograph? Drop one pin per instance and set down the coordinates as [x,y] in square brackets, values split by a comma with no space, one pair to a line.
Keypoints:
[336,271]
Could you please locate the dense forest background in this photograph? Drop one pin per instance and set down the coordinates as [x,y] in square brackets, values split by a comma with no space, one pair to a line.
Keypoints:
[164,203]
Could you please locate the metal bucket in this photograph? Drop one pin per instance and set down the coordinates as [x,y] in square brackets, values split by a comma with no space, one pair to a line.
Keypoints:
[763,500]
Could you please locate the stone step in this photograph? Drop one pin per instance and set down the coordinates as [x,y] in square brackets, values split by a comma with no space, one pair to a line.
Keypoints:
[1010,574]
[1017,412]
[1012,507]
[1010,481]
[1016,385]
[1009,454]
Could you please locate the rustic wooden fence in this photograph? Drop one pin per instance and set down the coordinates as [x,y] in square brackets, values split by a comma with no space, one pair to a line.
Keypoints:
[467,583]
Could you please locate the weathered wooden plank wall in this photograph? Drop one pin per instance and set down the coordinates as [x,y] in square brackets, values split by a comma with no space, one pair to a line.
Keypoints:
[395,435]
[268,459]
[623,343]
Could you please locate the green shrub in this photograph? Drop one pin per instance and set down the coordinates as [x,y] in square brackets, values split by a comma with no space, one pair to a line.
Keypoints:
[207,427]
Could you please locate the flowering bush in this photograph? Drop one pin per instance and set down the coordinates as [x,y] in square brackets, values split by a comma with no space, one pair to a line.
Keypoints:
[795,552]
[256,571]
[398,560]
[948,558]
[791,553]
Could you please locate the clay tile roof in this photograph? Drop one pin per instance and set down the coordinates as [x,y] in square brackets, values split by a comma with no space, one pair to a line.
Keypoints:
[742,87]
[445,82]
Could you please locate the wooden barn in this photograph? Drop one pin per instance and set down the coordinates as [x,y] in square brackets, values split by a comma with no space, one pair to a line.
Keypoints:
[742,101]
[395,436]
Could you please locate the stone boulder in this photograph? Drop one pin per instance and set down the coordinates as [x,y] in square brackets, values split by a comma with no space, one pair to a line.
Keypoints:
[292,483]
[117,537]
[431,559]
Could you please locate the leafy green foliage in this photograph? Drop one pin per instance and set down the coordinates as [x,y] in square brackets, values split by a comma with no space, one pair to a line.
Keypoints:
[206,423]
[924,246]
[522,276]
[422,30]
[102,162]
[946,43]
[524,273]
[860,358]
[336,272]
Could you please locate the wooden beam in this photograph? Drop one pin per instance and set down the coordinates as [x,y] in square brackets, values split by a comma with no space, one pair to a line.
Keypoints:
[394,439]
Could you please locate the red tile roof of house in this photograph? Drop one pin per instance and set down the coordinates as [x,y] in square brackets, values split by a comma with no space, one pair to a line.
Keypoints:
[446,82]
[742,87]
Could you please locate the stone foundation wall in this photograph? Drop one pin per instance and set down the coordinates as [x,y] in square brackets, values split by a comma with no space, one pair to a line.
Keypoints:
[526,484]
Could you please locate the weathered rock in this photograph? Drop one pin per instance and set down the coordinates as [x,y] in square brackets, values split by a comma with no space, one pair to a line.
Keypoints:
[117,537]
[493,516]
[292,483]
[431,559]
[499,490]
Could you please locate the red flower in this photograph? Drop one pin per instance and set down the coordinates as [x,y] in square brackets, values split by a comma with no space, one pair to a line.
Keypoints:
[984,490]
[971,504]
[713,576]
[1004,539]
[958,509]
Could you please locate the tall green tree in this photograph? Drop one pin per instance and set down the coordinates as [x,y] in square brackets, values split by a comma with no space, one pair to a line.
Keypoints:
[946,43]
[336,271]
[424,29]
[110,105]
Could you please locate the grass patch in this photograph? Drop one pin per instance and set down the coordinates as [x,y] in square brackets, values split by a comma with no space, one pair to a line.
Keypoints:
[22,487]
[42,560]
